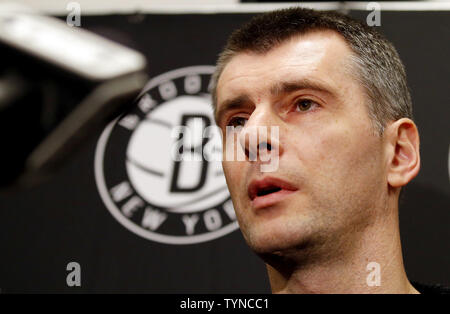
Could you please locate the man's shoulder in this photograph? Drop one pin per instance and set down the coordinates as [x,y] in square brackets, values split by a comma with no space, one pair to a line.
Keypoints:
[431,288]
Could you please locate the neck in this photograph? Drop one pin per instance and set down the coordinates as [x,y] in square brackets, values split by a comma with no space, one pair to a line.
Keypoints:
[356,270]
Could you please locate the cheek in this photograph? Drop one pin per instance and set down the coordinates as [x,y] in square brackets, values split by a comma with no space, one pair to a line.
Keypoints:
[227,171]
[235,178]
[233,172]
[233,160]
[338,153]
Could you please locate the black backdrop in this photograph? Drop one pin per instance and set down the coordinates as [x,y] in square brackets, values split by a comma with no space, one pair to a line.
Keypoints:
[64,220]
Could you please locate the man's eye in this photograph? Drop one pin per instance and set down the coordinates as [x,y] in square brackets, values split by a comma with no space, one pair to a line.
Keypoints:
[237,121]
[304,105]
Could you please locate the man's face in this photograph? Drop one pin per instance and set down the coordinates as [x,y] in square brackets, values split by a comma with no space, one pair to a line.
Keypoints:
[328,152]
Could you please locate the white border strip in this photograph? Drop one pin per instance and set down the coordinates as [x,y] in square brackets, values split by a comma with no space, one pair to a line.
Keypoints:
[105,7]
[402,6]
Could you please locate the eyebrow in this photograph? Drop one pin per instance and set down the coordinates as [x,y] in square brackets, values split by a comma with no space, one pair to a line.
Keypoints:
[230,104]
[277,89]
[292,86]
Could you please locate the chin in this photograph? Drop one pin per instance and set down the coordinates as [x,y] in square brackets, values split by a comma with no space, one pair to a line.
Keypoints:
[270,240]
[286,240]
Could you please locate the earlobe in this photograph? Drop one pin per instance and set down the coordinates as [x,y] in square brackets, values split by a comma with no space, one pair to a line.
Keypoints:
[404,161]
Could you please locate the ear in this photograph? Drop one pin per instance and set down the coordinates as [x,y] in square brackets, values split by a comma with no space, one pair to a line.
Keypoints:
[403,162]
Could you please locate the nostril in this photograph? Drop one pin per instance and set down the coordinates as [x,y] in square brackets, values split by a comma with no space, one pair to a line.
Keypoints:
[264,145]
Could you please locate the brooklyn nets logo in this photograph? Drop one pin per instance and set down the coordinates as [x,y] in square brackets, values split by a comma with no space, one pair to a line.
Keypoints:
[148,191]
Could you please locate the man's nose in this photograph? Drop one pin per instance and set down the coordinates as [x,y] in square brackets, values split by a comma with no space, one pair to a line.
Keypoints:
[260,135]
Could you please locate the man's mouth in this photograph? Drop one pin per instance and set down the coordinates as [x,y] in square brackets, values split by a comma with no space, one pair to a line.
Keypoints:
[269,191]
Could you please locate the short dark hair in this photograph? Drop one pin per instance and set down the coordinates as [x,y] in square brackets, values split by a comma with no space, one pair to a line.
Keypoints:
[376,63]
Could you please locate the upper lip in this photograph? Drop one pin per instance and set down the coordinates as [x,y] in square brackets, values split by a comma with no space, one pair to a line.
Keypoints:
[256,186]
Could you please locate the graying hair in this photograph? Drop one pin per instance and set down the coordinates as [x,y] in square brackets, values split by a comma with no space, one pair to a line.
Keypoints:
[376,63]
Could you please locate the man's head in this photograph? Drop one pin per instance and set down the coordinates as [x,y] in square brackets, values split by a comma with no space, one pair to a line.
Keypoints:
[374,62]
[336,90]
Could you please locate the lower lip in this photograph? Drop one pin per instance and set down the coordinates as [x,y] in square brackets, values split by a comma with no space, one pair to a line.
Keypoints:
[270,199]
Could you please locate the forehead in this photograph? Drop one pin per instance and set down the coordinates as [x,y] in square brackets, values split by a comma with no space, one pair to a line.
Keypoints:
[319,55]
